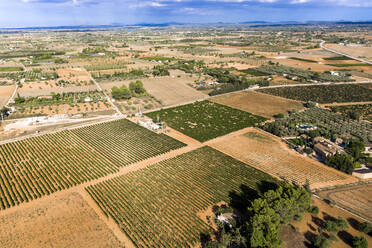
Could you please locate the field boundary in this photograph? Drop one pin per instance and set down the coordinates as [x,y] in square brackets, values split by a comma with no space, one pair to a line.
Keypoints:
[346,55]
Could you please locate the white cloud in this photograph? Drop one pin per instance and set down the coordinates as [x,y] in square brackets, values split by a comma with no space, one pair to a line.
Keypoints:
[147,4]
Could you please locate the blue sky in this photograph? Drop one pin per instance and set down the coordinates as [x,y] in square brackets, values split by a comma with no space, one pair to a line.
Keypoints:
[26,13]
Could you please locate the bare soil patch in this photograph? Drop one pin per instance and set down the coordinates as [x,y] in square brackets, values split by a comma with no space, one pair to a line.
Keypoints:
[258,103]
[269,154]
[5,93]
[65,221]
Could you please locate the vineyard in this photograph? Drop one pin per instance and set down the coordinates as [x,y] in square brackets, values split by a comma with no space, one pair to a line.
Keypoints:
[124,142]
[324,93]
[39,166]
[327,122]
[158,206]
[206,120]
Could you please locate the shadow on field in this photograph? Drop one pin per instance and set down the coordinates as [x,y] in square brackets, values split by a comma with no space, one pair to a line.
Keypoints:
[346,237]
[354,223]
[242,200]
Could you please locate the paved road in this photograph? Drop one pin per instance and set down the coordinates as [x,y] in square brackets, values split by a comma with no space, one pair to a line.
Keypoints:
[343,54]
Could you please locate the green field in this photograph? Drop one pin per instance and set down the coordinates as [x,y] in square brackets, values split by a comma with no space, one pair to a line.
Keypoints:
[253,72]
[348,65]
[338,58]
[8,69]
[304,60]
[124,142]
[39,166]
[324,93]
[206,120]
[158,206]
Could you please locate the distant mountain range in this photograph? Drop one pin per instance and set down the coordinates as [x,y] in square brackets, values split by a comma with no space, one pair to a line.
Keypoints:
[251,23]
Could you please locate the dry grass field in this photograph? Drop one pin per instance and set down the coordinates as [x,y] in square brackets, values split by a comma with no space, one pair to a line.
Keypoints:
[355,51]
[76,108]
[309,224]
[258,103]
[5,93]
[356,198]
[269,154]
[169,90]
[65,220]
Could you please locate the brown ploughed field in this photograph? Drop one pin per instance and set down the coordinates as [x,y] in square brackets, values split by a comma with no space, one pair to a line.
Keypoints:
[65,220]
[258,103]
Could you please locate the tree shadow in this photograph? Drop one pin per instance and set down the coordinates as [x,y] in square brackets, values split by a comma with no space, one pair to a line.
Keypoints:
[205,237]
[354,223]
[328,217]
[265,186]
[310,237]
[242,200]
[346,237]
[318,221]
[312,228]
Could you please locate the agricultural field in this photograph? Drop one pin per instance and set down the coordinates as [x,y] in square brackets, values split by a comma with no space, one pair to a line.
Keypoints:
[310,224]
[354,198]
[258,103]
[5,93]
[358,51]
[168,90]
[60,103]
[206,120]
[56,222]
[270,155]
[324,93]
[39,166]
[158,206]
[124,142]
[302,75]
[34,167]
[327,123]
[362,110]
[73,77]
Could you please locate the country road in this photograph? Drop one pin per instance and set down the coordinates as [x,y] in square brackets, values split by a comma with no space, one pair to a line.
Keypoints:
[343,54]
[107,96]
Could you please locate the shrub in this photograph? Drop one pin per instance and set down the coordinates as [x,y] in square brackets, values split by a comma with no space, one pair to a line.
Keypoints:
[322,242]
[331,226]
[365,227]
[360,242]
[314,210]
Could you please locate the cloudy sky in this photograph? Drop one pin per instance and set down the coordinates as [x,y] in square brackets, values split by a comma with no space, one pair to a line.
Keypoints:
[26,13]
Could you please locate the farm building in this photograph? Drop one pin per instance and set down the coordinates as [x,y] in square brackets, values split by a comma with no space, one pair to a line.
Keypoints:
[226,218]
[149,124]
[324,148]
[363,173]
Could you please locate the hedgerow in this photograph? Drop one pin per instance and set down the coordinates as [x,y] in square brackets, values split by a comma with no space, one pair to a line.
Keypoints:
[324,93]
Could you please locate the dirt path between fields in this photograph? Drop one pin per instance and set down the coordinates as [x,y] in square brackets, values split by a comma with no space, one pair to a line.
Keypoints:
[344,104]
